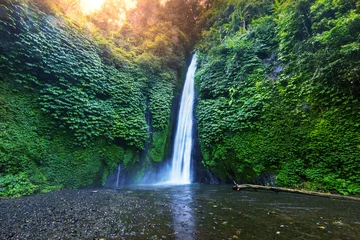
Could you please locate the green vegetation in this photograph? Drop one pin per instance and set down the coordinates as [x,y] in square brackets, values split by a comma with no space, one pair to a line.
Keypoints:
[74,88]
[278,91]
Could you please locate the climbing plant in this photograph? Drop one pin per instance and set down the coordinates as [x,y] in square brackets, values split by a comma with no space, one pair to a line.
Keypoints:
[281,94]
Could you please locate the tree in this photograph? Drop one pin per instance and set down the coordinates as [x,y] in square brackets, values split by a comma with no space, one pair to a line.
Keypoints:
[111,15]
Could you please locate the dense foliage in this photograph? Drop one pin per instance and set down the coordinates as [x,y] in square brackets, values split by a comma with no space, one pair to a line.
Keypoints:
[279,91]
[75,89]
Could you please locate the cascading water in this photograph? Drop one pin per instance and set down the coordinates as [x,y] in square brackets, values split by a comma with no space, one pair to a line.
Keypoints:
[118,176]
[181,159]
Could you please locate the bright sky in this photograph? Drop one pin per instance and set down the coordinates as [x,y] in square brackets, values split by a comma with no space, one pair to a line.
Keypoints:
[92,5]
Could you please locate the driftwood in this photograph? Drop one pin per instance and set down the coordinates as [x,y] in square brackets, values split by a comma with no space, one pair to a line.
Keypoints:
[279,189]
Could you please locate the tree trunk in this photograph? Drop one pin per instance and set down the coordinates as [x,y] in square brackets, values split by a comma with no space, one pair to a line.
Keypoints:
[279,189]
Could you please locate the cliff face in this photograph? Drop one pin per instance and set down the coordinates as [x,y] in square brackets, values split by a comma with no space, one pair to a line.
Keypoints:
[278,93]
[71,107]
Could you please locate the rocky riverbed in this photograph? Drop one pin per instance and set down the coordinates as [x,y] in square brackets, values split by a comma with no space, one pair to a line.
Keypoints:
[83,214]
[177,212]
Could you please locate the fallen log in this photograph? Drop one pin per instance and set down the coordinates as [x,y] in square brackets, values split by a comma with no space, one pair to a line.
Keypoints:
[239,187]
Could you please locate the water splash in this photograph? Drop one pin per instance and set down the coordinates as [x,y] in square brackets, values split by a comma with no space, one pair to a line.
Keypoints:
[181,159]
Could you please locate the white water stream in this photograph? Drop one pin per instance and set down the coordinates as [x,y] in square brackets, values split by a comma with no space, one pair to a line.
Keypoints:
[118,175]
[181,159]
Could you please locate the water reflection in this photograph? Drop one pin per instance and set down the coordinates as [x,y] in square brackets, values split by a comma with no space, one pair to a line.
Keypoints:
[183,214]
[205,212]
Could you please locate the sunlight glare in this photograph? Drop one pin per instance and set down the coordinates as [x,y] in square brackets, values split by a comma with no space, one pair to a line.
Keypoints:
[89,6]
[130,4]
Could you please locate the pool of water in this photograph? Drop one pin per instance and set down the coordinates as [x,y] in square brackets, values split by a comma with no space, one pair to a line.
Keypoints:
[217,212]
[177,212]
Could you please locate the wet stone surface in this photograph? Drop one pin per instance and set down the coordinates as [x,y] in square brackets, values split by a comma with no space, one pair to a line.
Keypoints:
[177,212]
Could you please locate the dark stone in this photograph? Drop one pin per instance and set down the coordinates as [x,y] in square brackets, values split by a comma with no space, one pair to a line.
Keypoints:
[265,179]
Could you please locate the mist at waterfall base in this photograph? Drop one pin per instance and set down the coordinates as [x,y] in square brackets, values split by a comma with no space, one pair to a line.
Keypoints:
[179,169]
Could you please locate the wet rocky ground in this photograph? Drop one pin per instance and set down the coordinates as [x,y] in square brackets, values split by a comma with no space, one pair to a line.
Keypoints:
[83,214]
[177,212]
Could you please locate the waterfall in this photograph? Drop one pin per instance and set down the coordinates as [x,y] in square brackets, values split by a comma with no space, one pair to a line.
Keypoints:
[181,158]
[118,176]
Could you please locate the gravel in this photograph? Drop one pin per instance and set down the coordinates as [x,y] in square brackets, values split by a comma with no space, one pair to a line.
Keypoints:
[85,214]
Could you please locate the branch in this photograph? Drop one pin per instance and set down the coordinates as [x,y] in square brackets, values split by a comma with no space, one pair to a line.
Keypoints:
[279,189]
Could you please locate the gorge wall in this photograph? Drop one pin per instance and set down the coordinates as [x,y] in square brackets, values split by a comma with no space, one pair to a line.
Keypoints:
[73,103]
[279,93]
[277,87]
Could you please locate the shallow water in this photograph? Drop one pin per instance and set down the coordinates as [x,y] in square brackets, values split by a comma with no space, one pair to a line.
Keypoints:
[217,212]
[177,212]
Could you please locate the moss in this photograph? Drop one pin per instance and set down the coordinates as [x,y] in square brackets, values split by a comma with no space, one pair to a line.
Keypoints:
[72,105]
[281,95]
[158,145]
[38,157]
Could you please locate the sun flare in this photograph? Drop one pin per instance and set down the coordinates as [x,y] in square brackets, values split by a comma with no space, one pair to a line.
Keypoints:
[130,4]
[89,6]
